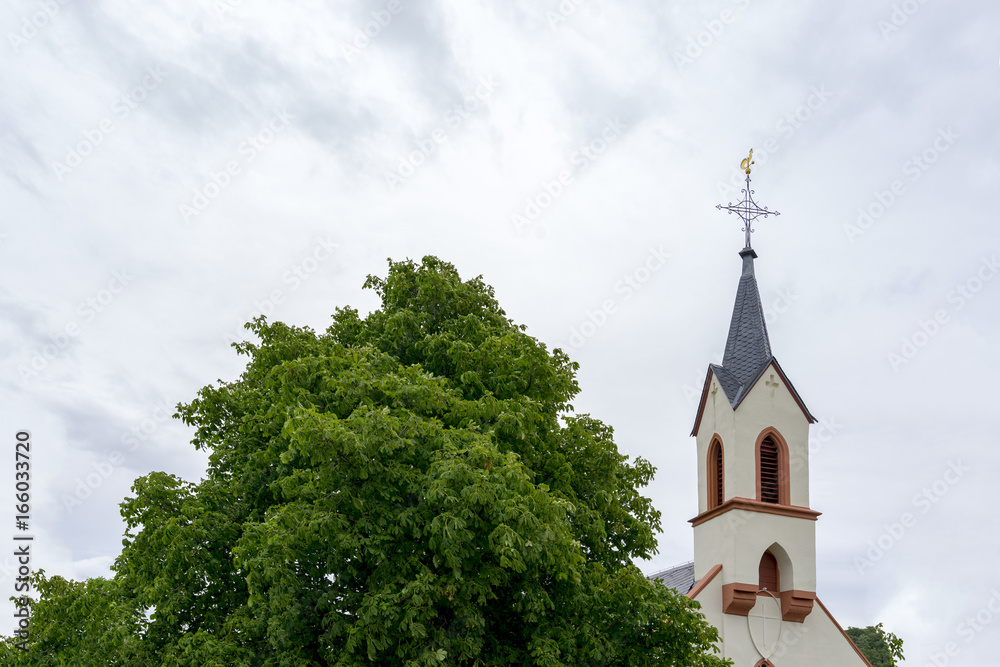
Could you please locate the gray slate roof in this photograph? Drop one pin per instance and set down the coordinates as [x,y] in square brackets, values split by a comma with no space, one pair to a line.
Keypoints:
[729,383]
[680,578]
[748,349]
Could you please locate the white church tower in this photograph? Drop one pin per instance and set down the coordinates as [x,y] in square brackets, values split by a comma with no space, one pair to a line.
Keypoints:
[754,570]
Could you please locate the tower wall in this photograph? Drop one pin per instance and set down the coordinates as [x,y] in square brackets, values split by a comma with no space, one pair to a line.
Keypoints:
[738,537]
[739,431]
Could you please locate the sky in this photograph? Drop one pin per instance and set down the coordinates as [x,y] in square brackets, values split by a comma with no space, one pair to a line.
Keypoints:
[170,170]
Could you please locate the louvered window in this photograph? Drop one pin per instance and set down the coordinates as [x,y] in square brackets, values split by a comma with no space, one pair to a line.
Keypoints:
[768,573]
[769,471]
[716,482]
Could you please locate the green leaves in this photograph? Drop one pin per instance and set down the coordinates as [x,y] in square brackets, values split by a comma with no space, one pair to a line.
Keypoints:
[883,649]
[87,623]
[407,488]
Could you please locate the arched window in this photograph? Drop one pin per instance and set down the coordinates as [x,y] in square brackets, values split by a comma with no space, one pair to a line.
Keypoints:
[716,475]
[769,471]
[770,579]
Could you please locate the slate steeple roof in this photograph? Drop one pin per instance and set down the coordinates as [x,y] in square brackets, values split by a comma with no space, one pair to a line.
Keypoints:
[748,350]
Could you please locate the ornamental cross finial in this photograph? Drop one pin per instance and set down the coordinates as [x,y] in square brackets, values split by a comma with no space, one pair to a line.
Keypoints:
[748,210]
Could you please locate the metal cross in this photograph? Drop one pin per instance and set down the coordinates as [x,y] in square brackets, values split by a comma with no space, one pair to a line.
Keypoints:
[748,210]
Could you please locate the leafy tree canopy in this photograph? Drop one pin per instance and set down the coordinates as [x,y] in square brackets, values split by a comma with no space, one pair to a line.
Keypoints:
[882,648]
[411,488]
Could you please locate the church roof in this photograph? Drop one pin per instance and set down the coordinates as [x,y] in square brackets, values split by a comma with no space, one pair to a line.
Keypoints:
[748,349]
[728,381]
[679,578]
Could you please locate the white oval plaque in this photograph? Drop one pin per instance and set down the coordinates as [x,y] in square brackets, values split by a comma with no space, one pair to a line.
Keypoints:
[764,622]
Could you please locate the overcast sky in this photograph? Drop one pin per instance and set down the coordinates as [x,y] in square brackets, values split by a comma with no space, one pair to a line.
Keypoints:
[171,169]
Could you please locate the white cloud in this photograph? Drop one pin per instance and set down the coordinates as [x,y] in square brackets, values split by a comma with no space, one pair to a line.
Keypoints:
[225,73]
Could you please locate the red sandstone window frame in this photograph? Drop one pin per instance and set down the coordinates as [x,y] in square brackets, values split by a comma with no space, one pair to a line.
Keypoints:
[716,473]
[784,492]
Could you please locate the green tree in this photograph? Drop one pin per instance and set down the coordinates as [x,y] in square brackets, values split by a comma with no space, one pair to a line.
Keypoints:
[882,648]
[408,488]
[78,623]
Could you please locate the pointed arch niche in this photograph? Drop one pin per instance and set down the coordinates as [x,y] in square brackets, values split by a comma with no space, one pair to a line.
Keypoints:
[716,473]
[777,558]
[772,468]
[768,573]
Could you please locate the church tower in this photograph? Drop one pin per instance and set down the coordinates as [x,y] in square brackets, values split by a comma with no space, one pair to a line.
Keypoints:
[752,432]
[754,570]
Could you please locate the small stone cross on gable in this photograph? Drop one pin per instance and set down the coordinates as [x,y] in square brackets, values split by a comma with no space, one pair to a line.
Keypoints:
[772,384]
